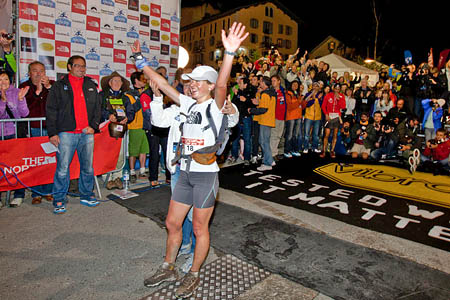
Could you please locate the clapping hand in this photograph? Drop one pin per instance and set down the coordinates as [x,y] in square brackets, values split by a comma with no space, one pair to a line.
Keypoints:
[23,92]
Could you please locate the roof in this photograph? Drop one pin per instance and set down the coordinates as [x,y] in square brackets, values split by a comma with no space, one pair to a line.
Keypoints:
[339,64]
[229,12]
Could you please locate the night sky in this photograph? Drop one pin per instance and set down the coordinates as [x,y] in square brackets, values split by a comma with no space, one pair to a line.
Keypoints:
[404,25]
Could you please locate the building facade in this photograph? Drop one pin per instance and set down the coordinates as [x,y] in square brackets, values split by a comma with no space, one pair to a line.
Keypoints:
[268,23]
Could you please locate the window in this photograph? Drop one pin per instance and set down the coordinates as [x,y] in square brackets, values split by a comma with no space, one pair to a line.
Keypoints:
[267,41]
[210,29]
[202,44]
[212,40]
[211,56]
[288,44]
[200,32]
[228,23]
[267,27]
[254,23]
[280,29]
[269,12]
[215,28]
[189,46]
[253,38]
[223,24]
[288,30]
[280,43]
[195,45]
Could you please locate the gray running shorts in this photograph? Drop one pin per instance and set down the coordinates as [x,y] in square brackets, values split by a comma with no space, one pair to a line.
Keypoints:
[197,188]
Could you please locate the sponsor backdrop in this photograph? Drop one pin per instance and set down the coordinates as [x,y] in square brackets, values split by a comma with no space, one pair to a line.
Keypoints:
[101,31]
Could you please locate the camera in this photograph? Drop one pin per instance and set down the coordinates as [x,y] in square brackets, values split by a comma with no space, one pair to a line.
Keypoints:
[7,36]
[346,129]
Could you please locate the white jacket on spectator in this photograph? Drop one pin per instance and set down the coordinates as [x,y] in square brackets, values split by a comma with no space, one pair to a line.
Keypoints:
[171,117]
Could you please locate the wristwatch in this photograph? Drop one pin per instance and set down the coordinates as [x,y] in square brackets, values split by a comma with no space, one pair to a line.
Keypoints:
[137,56]
[139,60]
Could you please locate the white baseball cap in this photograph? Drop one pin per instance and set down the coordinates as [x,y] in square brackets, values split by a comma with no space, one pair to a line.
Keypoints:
[202,73]
[441,102]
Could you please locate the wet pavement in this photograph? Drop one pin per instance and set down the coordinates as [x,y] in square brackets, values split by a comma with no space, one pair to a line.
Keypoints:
[107,251]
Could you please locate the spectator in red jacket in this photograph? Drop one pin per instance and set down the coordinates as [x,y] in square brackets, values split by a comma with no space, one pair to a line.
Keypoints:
[435,157]
[332,105]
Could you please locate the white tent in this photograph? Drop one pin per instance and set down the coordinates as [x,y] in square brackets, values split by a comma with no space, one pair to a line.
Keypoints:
[340,65]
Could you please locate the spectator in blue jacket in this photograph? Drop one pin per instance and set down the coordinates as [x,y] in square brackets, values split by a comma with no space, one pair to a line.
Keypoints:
[432,117]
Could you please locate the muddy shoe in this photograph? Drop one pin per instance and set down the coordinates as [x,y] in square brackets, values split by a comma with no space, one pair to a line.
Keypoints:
[166,272]
[119,184]
[188,285]
[111,185]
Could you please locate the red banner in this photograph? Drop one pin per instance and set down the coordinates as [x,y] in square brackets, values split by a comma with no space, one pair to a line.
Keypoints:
[33,166]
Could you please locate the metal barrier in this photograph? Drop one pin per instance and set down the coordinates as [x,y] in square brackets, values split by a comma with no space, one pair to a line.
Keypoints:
[17,121]
[41,120]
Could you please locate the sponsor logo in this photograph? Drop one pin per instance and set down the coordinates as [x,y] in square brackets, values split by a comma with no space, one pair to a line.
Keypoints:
[105,70]
[155,10]
[79,6]
[144,33]
[94,38]
[130,69]
[62,49]
[106,12]
[63,20]
[145,7]
[165,37]
[46,46]
[155,23]
[30,162]
[47,3]
[165,50]
[174,39]
[133,17]
[132,33]
[154,62]
[26,60]
[29,28]
[28,44]
[48,61]
[119,28]
[46,30]
[93,9]
[62,2]
[173,62]
[144,48]
[120,16]
[120,56]
[108,2]
[28,11]
[388,180]
[175,18]
[62,64]
[155,48]
[92,23]
[154,35]
[144,20]
[133,5]
[165,25]
[106,40]
[92,54]
[78,38]
[174,51]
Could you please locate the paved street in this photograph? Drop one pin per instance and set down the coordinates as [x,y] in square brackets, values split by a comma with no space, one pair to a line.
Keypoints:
[105,252]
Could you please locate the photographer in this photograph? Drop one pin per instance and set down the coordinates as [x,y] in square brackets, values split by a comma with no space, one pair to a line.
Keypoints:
[432,116]
[386,142]
[364,99]
[408,141]
[408,86]
[363,137]
[344,139]
[435,157]
[8,61]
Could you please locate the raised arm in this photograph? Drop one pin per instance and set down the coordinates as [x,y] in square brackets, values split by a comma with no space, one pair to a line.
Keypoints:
[231,43]
[142,63]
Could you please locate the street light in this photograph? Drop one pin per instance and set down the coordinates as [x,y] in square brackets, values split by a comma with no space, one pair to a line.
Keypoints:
[183,57]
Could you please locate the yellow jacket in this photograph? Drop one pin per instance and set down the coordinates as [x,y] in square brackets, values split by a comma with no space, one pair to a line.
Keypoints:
[138,121]
[265,112]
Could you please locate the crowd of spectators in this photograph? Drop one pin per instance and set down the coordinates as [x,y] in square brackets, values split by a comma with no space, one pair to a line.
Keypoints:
[288,106]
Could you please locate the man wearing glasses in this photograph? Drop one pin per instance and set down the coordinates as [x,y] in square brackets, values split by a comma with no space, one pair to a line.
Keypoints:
[73,116]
